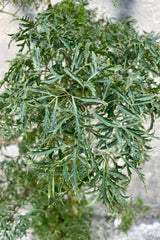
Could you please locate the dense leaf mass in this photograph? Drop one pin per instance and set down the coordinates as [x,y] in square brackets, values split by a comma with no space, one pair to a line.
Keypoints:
[79,92]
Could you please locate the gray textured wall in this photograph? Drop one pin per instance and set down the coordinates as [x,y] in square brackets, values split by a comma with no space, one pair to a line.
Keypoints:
[147,14]
[6,27]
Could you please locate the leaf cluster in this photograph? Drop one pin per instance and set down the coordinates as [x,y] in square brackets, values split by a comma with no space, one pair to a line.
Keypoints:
[27,207]
[82,88]
[79,92]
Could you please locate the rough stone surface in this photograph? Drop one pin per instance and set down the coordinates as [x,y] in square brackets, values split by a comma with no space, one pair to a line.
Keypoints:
[140,232]
[145,228]
[6,27]
[146,12]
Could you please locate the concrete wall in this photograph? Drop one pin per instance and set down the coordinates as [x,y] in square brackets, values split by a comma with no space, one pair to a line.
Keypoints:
[147,13]
[6,27]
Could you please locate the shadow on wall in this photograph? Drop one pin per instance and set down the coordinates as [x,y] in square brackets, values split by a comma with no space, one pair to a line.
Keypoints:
[126,8]
[29,12]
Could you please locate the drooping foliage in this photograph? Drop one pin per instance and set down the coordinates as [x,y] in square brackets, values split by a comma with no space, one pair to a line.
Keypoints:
[78,93]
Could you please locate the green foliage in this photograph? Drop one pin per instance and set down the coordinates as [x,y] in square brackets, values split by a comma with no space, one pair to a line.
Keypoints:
[70,221]
[140,208]
[27,206]
[131,214]
[115,3]
[78,93]
[13,196]
[127,218]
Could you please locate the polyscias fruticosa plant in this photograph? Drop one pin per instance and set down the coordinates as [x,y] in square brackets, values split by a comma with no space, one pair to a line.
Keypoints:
[78,93]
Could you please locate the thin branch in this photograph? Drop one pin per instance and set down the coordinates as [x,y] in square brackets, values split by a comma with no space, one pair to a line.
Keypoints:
[9,13]
[5,5]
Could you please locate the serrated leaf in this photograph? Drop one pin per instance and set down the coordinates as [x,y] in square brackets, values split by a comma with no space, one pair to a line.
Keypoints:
[23,111]
[120,198]
[94,61]
[144,98]
[91,87]
[57,127]
[131,95]
[117,174]
[127,111]
[86,51]
[142,103]
[105,121]
[75,183]
[66,176]
[55,73]
[133,123]
[46,118]
[79,60]
[52,80]
[91,100]
[65,44]
[73,76]
[83,160]
[46,151]
[92,76]
[37,90]
[115,68]
[76,115]
[120,94]
[93,160]
[47,30]
[111,144]
[36,58]
[75,54]
[141,176]
[104,191]
[119,138]
[19,75]
[106,90]
[53,116]
[152,122]
[140,55]
[95,179]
